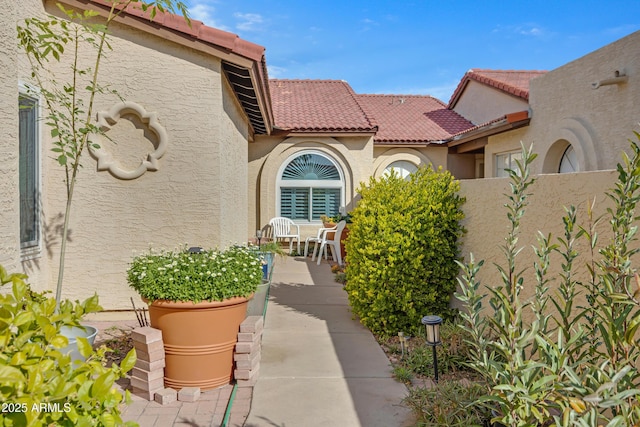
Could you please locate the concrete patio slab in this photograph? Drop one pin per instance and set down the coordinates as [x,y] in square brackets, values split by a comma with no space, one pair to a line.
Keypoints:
[319,366]
[289,319]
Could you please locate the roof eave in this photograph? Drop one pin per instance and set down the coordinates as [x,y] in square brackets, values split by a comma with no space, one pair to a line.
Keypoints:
[407,143]
[231,49]
[331,132]
[506,123]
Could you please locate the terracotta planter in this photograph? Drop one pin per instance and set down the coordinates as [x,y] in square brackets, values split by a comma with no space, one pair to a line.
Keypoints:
[345,233]
[199,340]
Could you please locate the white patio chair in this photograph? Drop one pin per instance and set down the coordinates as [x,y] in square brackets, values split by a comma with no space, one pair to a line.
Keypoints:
[333,243]
[316,241]
[283,228]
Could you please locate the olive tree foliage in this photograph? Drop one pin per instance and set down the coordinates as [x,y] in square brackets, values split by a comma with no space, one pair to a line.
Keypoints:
[575,364]
[80,42]
[402,250]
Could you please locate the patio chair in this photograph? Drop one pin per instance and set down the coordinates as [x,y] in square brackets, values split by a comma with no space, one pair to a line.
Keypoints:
[283,228]
[334,242]
[316,241]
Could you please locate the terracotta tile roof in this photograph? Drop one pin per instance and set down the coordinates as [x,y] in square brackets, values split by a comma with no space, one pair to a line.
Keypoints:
[513,82]
[244,62]
[412,118]
[318,106]
[197,29]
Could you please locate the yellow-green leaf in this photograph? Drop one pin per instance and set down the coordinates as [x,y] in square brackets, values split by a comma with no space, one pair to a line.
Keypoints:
[103,384]
[24,317]
[18,359]
[10,374]
[129,361]
[84,347]
[59,341]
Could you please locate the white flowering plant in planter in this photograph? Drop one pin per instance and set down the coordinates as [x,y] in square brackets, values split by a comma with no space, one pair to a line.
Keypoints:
[209,275]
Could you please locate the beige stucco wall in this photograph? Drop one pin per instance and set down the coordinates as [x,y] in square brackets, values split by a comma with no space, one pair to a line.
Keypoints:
[481,103]
[356,156]
[9,208]
[567,110]
[197,196]
[269,154]
[487,224]
[434,155]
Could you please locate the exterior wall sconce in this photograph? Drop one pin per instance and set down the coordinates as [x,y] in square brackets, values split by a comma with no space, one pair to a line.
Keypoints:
[432,334]
[619,77]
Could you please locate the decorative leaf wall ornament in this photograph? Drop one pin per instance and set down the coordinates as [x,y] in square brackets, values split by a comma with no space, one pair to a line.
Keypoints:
[106,160]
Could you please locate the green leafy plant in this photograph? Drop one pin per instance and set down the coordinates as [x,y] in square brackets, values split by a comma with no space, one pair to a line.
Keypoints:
[210,275]
[575,365]
[453,353]
[273,247]
[403,374]
[450,403]
[70,104]
[339,217]
[402,250]
[39,385]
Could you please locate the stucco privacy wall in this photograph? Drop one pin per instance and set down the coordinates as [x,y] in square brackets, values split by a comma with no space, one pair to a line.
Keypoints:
[566,109]
[198,194]
[487,224]
[9,208]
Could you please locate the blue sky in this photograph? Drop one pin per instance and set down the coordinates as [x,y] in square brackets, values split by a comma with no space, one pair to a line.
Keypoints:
[418,47]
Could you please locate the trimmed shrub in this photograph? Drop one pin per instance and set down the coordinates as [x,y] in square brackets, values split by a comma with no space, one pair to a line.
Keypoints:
[41,386]
[402,250]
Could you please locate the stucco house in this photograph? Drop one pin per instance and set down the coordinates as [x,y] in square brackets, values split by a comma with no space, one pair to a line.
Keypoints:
[209,149]
[176,174]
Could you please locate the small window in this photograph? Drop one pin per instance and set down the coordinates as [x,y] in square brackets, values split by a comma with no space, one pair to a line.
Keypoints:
[402,167]
[506,161]
[310,185]
[569,161]
[29,171]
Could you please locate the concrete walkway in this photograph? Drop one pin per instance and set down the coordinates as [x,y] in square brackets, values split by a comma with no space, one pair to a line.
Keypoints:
[319,366]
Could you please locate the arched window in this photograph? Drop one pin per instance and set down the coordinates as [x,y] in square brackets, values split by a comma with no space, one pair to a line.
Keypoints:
[402,167]
[569,161]
[310,185]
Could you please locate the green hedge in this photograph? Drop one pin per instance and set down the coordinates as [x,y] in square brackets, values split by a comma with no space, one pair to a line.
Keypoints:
[402,250]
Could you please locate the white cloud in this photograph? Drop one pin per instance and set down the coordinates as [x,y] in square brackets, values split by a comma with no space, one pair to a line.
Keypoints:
[205,12]
[526,29]
[275,72]
[531,31]
[249,21]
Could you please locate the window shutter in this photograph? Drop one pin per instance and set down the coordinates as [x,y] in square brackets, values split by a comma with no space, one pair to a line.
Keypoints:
[294,203]
[325,201]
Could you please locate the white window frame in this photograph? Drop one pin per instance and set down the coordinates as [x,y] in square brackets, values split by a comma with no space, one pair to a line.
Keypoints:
[32,249]
[510,156]
[292,183]
[402,169]
[566,159]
